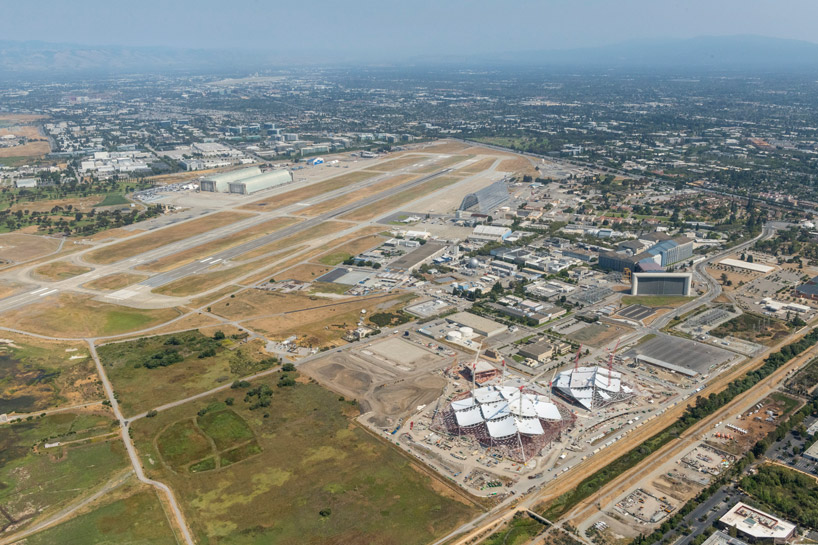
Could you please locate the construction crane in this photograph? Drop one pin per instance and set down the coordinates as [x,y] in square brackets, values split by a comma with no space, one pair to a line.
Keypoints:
[610,361]
[576,360]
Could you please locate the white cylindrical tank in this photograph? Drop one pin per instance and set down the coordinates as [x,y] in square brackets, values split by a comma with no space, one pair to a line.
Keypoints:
[454,336]
[466,331]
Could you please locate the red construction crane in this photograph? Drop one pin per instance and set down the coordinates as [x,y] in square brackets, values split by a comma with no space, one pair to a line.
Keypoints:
[610,362]
[576,360]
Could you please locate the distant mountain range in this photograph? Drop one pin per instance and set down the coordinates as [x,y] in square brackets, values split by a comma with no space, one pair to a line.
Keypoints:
[716,52]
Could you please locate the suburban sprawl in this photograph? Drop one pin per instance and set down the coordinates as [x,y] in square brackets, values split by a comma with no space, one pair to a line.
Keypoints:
[434,307]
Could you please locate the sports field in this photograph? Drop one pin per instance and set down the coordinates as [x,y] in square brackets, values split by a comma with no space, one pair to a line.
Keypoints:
[313,476]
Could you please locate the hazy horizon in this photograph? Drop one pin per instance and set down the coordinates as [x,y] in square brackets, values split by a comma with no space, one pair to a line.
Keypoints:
[368,29]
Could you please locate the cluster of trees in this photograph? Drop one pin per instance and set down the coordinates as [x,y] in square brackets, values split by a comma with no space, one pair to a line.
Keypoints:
[385,319]
[71,222]
[258,397]
[788,492]
[360,263]
[176,349]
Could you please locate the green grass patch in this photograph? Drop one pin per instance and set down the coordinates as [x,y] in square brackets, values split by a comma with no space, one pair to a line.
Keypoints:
[789,404]
[136,520]
[390,319]
[656,300]
[45,480]
[335,258]
[240,453]
[205,465]
[182,443]
[518,532]
[118,321]
[226,428]
[113,199]
[314,459]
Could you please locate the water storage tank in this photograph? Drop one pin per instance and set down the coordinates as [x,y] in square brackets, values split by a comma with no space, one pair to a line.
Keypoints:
[466,331]
[454,336]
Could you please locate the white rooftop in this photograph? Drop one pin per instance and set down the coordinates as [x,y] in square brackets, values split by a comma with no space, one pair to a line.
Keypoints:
[756,523]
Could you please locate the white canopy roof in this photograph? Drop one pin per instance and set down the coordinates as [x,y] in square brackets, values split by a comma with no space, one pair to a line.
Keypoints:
[463,404]
[493,411]
[529,426]
[487,394]
[546,410]
[469,417]
[504,427]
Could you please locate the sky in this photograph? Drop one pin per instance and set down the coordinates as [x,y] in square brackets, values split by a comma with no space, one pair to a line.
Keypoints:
[407,27]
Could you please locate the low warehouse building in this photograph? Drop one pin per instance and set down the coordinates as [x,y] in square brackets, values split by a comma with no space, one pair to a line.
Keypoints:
[266,180]
[541,351]
[756,525]
[220,183]
[482,326]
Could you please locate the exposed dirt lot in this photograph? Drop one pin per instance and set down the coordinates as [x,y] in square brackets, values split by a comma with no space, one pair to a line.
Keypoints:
[598,335]
[390,389]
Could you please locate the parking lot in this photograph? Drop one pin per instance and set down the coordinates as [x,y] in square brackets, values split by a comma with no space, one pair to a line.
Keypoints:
[680,352]
[636,312]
